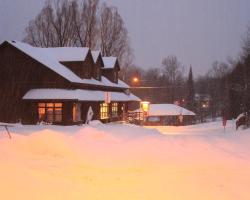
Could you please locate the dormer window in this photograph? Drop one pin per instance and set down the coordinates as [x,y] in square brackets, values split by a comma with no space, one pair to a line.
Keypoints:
[111,68]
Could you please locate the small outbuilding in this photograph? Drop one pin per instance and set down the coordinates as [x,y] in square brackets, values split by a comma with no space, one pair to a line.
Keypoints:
[168,115]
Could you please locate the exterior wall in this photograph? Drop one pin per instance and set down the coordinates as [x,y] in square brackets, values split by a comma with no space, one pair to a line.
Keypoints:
[29,113]
[133,105]
[95,107]
[18,74]
[96,72]
[83,69]
[111,74]
[170,121]
[79,68]
[67,113]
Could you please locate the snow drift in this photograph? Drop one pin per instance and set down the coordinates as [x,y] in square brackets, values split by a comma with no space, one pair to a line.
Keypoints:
[125,162]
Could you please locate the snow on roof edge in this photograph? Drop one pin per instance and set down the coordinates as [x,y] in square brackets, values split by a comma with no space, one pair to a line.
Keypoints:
[168,109]
[78,94]
[109,62]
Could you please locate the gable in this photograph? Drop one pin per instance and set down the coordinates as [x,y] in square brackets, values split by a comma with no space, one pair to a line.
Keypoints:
[46,60]
[18,67]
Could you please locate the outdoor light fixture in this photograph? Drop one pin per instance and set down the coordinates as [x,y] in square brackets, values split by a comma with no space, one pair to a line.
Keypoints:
[145,106]
[135,80]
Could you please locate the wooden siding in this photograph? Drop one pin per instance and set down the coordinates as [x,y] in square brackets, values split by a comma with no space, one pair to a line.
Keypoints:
[97,68]
[83,69]
[111,74]
[18,74]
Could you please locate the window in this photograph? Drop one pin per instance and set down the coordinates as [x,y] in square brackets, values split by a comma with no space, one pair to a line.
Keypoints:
[104,110]
[154,119]
[114,109]
[50,112]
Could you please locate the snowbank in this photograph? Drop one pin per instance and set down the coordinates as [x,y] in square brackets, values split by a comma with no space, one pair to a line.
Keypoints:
[125,162]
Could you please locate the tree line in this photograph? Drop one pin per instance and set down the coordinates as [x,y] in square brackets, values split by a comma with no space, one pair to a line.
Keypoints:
[226,83]
[81,23]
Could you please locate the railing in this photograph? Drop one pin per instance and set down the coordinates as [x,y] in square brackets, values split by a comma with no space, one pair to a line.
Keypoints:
[134,117]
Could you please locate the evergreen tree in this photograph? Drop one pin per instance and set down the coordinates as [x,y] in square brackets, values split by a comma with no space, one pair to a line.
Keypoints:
[190,100]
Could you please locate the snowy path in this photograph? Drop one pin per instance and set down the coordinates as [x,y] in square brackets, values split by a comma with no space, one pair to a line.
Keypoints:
[125,162]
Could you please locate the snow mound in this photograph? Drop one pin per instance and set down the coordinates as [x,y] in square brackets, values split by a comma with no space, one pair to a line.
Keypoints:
[125,162]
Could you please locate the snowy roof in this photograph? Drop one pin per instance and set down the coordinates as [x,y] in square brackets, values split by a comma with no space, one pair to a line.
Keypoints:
[109,62]
[95,55]
[47,58]
[67,54]
[80,95]
[168,109]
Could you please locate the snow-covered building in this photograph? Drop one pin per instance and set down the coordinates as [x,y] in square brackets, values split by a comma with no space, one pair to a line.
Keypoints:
[59,85]
[168,114]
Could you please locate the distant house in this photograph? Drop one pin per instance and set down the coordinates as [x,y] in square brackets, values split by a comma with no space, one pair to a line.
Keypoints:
[168,115]
[59,85]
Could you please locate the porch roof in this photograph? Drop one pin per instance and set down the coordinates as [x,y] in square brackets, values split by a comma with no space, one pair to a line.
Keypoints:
[80,95]
[168,110]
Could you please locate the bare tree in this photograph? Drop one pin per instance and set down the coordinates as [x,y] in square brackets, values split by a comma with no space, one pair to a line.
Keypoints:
[82,23]
[246,43]
[172,69]
[40,31]
[86,23]
[64,12]
[113,34]
[173,73]
[53,26]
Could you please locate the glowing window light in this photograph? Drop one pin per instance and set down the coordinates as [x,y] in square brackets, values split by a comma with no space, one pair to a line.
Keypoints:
[145,106]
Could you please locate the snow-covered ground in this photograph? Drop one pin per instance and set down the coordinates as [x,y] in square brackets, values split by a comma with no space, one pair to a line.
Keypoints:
[117,162]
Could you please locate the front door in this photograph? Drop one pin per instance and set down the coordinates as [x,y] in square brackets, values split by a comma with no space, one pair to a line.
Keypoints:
[77,112]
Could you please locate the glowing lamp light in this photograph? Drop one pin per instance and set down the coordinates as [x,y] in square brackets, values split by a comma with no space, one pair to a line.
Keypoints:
[135,80]
[145,106]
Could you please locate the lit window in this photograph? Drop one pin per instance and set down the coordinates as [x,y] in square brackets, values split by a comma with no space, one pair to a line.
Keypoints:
[104,110]
[114,109]
[58,114]
[50,112]
[42,113]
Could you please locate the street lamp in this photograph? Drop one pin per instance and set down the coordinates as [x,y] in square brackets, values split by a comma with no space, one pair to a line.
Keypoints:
[135,80]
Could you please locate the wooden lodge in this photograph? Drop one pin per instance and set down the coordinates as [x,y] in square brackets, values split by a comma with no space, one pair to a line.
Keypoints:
[60,85]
